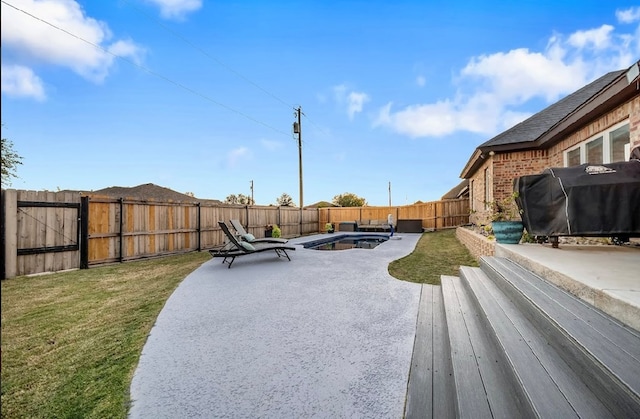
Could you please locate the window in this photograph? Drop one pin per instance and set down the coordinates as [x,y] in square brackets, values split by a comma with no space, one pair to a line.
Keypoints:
[488,192]
[594,151]
[606,147]
[573,157]
[618,139]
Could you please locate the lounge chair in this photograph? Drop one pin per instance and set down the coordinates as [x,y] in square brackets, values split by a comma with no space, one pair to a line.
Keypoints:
[242,233]
[235,247]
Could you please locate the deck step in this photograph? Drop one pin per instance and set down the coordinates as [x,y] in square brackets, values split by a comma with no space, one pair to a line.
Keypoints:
[430,390]
[484,384]
[551,387]
[602,352]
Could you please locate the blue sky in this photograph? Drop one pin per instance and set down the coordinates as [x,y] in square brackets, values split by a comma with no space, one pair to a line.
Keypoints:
[199,96]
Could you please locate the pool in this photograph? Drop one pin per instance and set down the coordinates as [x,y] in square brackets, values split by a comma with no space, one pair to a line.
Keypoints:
[347,241]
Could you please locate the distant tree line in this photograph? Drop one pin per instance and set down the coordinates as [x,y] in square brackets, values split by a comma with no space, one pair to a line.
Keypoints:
[346,199]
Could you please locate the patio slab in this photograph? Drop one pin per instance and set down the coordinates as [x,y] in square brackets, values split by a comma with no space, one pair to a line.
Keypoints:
[329,334]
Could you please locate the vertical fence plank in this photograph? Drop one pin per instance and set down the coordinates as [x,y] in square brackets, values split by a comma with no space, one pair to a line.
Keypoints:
[10,231]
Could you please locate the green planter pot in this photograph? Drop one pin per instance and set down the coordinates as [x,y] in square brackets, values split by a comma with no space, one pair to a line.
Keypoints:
[508,232]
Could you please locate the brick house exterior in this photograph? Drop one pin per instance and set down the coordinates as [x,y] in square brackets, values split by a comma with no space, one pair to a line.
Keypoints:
[609,108]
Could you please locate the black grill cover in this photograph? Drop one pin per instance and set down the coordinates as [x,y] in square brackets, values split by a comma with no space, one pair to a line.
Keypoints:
[585,200]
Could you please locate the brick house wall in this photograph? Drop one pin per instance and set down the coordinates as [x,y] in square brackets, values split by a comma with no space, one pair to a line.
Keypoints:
[504,167]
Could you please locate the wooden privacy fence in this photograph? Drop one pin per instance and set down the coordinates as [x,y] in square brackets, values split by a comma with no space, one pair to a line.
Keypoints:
[434,215]
[126,229]
[47,232]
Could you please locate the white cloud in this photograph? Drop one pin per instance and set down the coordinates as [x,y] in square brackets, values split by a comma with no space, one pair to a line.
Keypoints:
[20,81]
[58,33]
[176,9]
[494,88]
[628,15]
[598,38]
[519,75]
[238,156]
[421,81]
[354,101]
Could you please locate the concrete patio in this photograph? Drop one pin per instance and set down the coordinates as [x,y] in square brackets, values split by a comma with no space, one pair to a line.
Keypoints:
[329,334]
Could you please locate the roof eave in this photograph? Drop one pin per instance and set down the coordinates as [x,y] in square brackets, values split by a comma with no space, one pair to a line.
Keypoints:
[473,164]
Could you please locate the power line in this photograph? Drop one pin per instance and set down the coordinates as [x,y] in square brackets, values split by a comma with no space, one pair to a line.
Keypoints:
[147,70]
[206,54]
[218,61]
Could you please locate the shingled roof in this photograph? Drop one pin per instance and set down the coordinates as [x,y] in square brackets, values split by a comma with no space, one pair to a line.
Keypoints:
[532,128]
[459,191]
[145,192]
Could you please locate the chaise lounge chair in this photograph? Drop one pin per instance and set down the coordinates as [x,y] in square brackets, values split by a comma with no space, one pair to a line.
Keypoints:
[236,247]
[242,233]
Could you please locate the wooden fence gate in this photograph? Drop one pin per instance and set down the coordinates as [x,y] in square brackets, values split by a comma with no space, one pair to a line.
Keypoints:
[42,232]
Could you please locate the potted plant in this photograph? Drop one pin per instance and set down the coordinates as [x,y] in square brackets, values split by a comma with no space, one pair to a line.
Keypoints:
[505,220]
[329,228]
[275,231]
[268,230]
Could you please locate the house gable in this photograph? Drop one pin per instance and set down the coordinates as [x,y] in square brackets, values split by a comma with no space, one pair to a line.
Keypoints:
[546,127]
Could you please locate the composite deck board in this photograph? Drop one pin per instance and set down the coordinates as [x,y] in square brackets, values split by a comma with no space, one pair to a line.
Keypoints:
[443,383]
[505,398]
[509,323]
[471,399]
[430,390]
[618,334]
[420,387]
[601,349]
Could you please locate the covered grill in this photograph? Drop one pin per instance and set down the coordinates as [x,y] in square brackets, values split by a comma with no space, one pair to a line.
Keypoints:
[585,200]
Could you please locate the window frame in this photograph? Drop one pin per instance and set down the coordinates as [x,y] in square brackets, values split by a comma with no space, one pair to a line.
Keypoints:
[606,145]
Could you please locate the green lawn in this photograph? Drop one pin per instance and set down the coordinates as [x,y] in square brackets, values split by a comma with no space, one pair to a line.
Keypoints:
[438,253]
[71,340]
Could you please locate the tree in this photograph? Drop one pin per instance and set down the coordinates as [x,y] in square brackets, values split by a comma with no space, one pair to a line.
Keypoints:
[285,200]
[349,199]
[239,199]
[10,159]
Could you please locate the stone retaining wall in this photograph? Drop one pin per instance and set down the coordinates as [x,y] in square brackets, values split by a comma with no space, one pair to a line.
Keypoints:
[477,244]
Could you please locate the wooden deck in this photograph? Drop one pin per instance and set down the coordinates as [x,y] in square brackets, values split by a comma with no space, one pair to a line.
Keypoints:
[499,341]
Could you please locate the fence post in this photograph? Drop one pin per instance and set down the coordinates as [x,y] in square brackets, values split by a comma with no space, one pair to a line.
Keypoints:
[121,232]
[84,232]
[9,233]
[199,228]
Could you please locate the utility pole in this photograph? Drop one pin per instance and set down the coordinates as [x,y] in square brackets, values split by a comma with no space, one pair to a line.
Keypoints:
[297,129]
[252,201]
[389,193]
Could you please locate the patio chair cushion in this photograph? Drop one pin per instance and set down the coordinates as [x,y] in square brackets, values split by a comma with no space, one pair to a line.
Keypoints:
[248,237]
[248,246]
